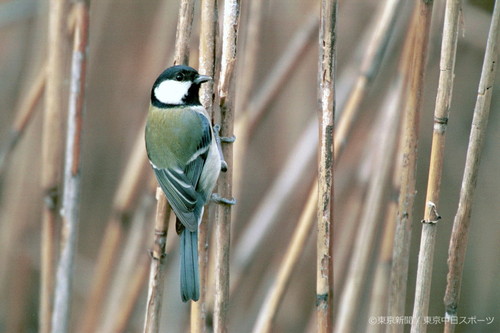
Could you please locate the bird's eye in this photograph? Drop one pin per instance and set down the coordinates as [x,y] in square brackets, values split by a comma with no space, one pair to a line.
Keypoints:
[179,77]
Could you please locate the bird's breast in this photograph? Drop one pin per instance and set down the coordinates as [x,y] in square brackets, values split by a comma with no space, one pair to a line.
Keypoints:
[172,135]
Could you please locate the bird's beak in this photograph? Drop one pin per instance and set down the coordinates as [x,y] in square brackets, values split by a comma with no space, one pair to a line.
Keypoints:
[202,78]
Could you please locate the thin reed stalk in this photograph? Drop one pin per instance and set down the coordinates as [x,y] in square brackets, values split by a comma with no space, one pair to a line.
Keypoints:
[370,65]
[208,33]
[461,224]
[441,114]
[52,149]
[326,96]
[71,198]
[183,34]
[296,247]
[208,39]
[412,69]
[24,114]
[223,214]
[157,267]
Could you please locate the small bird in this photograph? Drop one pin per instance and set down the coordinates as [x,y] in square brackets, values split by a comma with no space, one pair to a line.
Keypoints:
[182,149]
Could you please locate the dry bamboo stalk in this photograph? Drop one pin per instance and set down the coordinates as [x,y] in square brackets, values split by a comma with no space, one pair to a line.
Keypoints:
[458,242]
[157,267]
[441,113]
[208,29]
[369,68]
[52,148]
[208,37]
[386,135]
[326,96]
[71,198]
[183,34]
[25,113]
[223,213]
[276,292]
[411,71]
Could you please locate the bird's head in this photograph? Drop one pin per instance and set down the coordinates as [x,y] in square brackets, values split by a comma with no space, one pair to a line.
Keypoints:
[177,85]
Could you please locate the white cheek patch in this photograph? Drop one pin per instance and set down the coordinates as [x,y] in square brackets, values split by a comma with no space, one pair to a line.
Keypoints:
[172,92]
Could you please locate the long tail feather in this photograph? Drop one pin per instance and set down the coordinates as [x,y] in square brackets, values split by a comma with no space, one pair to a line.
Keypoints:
[190,276]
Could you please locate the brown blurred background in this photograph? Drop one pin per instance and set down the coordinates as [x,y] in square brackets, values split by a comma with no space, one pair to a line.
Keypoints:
[131,42]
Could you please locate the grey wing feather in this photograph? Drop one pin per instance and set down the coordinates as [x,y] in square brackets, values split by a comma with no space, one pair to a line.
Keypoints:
[206,137]
[181,195]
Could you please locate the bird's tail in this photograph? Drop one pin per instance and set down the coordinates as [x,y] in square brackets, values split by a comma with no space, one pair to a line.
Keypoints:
[190,276]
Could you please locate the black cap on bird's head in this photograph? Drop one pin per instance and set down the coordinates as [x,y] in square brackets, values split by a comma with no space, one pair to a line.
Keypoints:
[177,85]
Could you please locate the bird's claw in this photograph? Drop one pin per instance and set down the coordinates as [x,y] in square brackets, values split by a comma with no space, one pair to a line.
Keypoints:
[223,166]
[228,139]
[225,201]
[218,140]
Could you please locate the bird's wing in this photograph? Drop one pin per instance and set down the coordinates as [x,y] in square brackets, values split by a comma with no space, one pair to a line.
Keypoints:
[180,194]
[179,184]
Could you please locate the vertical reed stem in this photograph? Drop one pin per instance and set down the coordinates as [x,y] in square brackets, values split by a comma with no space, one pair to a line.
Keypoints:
[441,113]
[157,270]
[223,213]
[71,199]
[326,76]
[52,148]
[416,51]
[208,29]
[458,242]
[183,34]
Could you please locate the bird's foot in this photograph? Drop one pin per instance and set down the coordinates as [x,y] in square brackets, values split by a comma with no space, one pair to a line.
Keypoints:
[224,201]
[219,140]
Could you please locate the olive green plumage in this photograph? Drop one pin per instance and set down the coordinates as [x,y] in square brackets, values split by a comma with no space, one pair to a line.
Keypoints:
[170,142]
